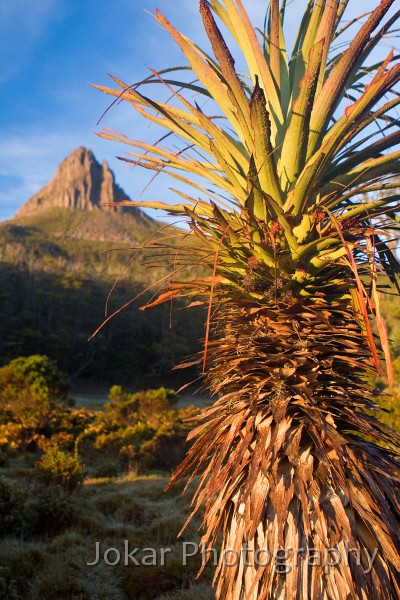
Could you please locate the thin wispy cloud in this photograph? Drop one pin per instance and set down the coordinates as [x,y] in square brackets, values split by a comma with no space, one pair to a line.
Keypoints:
[27,162]
[22,25]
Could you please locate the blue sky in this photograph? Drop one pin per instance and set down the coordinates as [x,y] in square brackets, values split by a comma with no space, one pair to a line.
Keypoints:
[52,49]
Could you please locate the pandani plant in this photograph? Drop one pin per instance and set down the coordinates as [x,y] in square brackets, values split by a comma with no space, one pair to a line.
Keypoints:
[293,163]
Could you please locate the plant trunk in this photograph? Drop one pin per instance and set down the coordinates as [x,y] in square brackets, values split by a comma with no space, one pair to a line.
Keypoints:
[300,479]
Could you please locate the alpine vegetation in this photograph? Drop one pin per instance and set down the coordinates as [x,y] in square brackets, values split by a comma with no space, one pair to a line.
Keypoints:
[293,164]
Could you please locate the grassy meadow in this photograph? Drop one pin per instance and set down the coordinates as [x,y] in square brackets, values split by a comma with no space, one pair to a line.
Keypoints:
[50,563]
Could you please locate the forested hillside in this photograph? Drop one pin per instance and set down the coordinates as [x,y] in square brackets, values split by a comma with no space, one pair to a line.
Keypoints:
[58,262]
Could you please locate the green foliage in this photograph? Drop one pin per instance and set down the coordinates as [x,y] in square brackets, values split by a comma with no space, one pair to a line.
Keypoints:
[147,348]
[54,509]
[118,396]
[12,502]
[391,312]
[149,405]
[29,388]
[61,468]
[168,447]
[52,521]
[12,437]
[142,428]
[152,403]
[131,436]
[35,510]
[390,413]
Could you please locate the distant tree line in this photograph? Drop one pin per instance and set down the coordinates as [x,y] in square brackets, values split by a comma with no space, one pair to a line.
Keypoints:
[55,314]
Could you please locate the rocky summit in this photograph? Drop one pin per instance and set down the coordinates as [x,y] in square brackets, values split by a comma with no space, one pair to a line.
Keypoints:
[80,183]
[70,208]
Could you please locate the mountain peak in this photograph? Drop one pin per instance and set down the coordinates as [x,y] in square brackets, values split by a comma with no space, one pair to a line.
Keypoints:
[80,183]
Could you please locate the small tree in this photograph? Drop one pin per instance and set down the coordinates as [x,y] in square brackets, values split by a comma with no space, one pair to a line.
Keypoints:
[29,388]
[57,467]
[284,159]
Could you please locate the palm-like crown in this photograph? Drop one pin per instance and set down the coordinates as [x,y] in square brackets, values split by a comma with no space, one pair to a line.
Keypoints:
[296,157]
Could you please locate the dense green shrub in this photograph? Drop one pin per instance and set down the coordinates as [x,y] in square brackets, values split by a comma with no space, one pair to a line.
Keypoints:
[12,507]
[148,406]
[137,430]
[61,468]
[29,388]
[53,509]
[121,398]
[154,403]
[62,439]
[166,449]
[143,428]
[133,435]
[35,511]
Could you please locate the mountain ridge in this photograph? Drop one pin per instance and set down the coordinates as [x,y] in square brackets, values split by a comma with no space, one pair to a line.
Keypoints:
[80,183]
[65,227]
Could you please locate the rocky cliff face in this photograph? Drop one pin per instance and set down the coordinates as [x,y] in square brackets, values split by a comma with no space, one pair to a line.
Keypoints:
[80,183]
